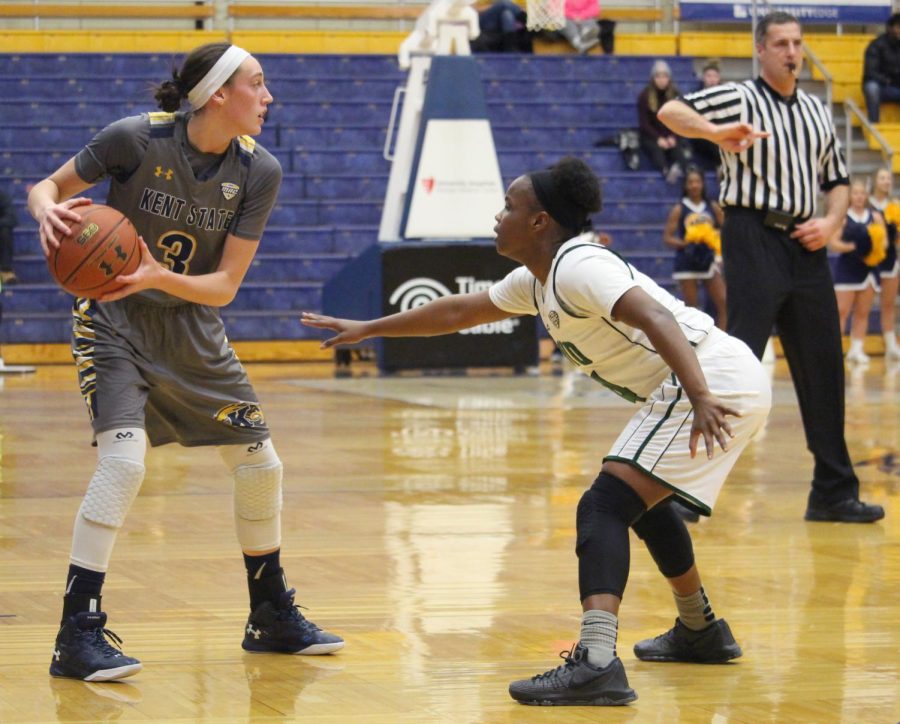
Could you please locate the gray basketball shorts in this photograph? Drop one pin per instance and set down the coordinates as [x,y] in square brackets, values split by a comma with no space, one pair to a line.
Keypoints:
[169,370]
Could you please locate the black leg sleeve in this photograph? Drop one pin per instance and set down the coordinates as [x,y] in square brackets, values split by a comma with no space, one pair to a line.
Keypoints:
[605,512]
[667,538]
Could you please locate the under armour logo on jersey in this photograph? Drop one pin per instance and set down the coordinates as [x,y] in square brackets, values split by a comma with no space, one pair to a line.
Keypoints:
[230,190]
[554,317]
[124,435]
[256,448]
[168,173]
[254,632]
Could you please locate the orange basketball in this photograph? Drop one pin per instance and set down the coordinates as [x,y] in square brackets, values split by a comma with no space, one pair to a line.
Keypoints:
[100,248]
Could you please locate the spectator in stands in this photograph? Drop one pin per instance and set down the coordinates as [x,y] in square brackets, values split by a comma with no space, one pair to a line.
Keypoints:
[862,243]
[692,230]
[503,29]
[881,69]
[581,28]
[664,148]
[7,224]
[706,153]
[889,270]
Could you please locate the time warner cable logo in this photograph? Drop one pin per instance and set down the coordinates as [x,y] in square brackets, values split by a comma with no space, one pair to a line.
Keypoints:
[422,290]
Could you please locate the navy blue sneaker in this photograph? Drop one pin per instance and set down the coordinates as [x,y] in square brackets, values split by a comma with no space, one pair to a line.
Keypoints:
[282,629]
[82,651]
[576,683]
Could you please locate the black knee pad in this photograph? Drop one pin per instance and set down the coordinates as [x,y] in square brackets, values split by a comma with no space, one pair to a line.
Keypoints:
[667,538]
[605,511]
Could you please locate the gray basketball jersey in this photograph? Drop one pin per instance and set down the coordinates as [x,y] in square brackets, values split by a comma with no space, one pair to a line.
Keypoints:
[183,220]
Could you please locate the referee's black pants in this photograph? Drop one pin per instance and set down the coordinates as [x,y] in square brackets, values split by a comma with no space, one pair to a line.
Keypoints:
[772,280]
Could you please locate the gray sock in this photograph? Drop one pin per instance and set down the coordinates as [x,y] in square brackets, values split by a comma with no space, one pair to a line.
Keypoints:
[598,635]
[695,610]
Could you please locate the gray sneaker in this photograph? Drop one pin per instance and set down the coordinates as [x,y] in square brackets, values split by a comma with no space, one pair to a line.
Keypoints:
[712,645]
[576,683]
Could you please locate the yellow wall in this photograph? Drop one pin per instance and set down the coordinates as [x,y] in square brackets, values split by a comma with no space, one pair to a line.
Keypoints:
[268,41]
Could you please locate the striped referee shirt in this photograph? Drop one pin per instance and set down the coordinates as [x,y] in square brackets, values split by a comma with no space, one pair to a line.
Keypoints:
[783,171]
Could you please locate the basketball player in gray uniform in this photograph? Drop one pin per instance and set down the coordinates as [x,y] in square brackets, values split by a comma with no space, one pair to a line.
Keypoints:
[630,335]
[153,360]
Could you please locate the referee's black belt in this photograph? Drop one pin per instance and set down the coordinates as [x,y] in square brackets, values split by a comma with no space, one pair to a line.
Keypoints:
[771,218]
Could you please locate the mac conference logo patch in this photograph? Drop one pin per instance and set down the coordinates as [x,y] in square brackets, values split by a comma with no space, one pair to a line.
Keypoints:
[241,414]
[554,317]
[230,190]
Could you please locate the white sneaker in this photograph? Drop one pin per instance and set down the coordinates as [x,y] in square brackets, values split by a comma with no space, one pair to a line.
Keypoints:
[892,352]
[857,357]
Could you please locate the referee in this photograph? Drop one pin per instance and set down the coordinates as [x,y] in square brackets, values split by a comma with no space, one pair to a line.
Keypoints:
[778,145]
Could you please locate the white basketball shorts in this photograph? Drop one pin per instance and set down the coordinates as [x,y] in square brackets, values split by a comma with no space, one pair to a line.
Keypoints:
[656,440]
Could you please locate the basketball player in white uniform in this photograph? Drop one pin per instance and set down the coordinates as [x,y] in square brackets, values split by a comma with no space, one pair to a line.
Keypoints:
[694,383]
[153,360]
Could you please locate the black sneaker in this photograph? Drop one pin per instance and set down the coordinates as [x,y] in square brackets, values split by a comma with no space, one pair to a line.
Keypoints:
[851,510]
[283,629]
[576,683]
[82,651]
[712,645]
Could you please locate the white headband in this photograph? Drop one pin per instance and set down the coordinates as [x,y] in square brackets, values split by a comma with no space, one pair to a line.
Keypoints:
[226,65]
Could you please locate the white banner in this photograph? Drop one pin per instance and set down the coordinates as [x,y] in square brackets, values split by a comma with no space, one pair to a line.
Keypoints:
[458,188]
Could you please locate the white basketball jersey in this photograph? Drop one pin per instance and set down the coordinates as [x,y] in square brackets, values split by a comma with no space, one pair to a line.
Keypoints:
[586,280]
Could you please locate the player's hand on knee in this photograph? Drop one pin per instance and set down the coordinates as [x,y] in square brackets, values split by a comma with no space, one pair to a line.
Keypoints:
[710,422]
[349,331]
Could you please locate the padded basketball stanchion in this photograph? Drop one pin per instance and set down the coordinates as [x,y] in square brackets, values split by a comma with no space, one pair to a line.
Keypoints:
[455,187]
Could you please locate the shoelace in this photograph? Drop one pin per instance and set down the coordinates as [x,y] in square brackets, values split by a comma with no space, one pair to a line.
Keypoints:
[99,635]
[288,610]
[570,661]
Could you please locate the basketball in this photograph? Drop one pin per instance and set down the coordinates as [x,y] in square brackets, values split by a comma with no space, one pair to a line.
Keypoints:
[100,248]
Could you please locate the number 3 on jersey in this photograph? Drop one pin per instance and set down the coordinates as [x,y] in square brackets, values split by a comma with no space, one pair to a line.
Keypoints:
[178,250]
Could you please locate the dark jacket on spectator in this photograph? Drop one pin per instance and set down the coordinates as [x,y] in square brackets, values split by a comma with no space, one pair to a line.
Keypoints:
[882,61]
[649,102]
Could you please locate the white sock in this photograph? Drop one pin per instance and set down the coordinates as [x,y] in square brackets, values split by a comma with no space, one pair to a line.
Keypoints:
[890,341]
[856,346]
[598,635]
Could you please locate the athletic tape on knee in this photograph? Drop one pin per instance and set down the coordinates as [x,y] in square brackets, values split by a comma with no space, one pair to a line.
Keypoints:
[667,538]
[111,491]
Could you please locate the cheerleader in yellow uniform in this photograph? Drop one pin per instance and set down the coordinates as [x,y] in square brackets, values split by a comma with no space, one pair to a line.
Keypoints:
[889,269]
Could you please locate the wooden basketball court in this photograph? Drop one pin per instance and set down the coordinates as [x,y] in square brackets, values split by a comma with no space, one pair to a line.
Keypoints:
[430,521]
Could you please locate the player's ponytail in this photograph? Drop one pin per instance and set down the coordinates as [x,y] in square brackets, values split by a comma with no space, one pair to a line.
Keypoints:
[170,93]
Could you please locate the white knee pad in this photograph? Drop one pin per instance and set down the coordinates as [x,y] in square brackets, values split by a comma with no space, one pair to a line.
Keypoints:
[118,477]
[257,474]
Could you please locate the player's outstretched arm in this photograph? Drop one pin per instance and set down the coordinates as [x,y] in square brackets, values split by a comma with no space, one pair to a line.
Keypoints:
[442,316]
[685,121]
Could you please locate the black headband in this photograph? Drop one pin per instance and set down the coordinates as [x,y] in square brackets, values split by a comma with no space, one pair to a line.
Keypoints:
[558,206]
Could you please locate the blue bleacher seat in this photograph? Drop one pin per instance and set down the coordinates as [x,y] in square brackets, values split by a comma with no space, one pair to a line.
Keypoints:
[327,128]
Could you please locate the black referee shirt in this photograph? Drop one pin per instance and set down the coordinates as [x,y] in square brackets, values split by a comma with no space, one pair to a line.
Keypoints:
[783,171]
